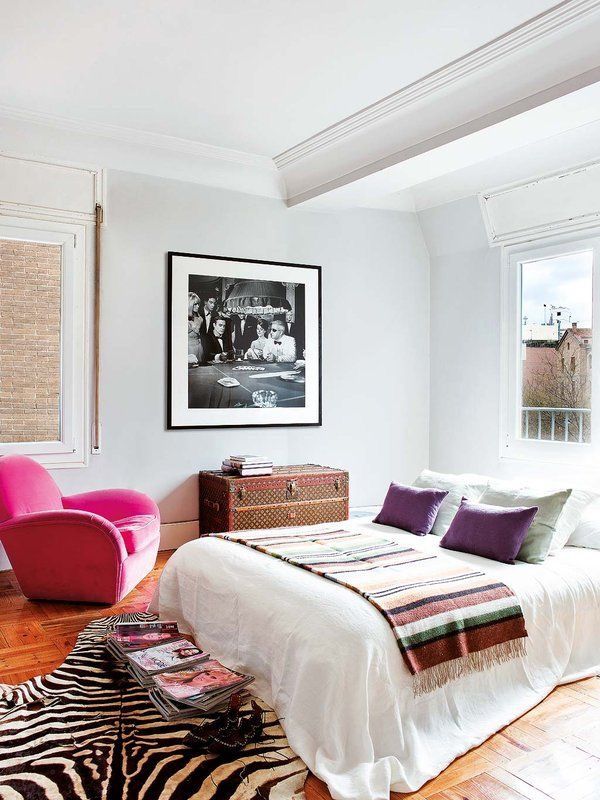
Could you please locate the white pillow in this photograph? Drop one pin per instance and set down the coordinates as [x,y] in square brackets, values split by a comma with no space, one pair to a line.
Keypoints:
[457,486]
[568,522]
[587,532]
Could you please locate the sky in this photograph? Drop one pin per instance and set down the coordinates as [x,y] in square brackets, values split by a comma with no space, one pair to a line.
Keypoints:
[560,281]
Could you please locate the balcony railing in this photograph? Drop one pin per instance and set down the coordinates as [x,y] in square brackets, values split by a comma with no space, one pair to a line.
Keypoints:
[557,424]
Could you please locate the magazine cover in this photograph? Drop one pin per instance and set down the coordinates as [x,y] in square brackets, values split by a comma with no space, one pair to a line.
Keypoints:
[209,677]
[171,655]
[128,628]
[131,636]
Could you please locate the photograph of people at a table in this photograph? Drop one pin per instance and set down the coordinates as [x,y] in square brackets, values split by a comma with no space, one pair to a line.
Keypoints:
[245,335]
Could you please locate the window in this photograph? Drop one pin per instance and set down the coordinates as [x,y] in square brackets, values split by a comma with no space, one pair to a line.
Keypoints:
[550,301]
[42,378]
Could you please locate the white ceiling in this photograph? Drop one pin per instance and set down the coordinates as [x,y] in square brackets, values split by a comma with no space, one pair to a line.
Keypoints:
[253,75]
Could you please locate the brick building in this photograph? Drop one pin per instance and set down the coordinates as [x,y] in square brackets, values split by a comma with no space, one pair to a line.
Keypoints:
[30,321]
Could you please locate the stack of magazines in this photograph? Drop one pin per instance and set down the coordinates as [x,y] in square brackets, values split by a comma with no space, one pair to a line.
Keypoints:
[174,655]
[182,679]
[128,637]
[203,689]
[248,465]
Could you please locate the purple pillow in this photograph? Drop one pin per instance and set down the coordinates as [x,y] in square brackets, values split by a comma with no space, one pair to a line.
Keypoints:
[491,531]
[410,508]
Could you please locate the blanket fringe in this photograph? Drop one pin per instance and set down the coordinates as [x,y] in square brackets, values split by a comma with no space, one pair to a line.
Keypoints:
[438,676]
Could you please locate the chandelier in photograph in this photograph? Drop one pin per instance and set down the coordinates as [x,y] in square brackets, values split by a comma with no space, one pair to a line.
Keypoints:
[257,297]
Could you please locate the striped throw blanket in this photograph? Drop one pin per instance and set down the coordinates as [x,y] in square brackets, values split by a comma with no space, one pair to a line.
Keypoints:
[448,620]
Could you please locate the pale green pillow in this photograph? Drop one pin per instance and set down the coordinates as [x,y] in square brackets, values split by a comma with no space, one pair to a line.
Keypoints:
[538,541]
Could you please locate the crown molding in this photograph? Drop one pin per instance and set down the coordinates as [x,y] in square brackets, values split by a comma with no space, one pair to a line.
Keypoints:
[139,137]
[507,44]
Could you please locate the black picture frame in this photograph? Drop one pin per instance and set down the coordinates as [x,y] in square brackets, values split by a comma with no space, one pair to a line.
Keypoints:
[170,424]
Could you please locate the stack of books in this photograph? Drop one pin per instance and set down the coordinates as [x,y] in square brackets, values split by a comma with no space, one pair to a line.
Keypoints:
[248,465]
[182,679]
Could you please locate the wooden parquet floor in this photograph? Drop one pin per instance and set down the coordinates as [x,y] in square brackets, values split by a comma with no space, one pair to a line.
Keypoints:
[551,753]
[35,636]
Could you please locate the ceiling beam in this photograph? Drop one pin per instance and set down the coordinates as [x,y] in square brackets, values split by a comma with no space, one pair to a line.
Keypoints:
[548,57]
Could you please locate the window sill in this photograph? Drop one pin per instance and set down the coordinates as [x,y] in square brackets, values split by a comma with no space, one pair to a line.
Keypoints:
[51,459]
[573,454]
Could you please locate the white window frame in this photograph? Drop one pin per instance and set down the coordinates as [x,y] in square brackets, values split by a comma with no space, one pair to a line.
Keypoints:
[72,447]
[512,446]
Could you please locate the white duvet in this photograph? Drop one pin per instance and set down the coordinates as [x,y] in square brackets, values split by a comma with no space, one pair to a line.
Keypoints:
[328,663]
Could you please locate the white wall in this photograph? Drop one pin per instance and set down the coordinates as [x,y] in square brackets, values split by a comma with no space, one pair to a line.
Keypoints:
[465,372]
[375,339]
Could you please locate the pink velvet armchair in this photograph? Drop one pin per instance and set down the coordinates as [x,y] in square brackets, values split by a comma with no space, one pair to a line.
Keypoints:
[93,547]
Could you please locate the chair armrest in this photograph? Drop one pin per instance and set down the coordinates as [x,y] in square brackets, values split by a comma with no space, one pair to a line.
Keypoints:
[64,529]
[112,504]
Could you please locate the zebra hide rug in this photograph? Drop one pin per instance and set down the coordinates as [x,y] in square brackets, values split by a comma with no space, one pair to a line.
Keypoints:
[102,739]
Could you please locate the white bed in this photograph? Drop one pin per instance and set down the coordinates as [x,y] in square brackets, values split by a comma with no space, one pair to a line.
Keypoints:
[327,661]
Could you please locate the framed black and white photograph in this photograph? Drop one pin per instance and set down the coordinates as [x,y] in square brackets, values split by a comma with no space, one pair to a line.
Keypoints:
[244,342]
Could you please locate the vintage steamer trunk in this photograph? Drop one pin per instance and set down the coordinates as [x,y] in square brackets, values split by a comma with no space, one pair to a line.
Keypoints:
[302,495]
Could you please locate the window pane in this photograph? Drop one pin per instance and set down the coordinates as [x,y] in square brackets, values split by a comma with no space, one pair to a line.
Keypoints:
[556,317]
[30,347]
